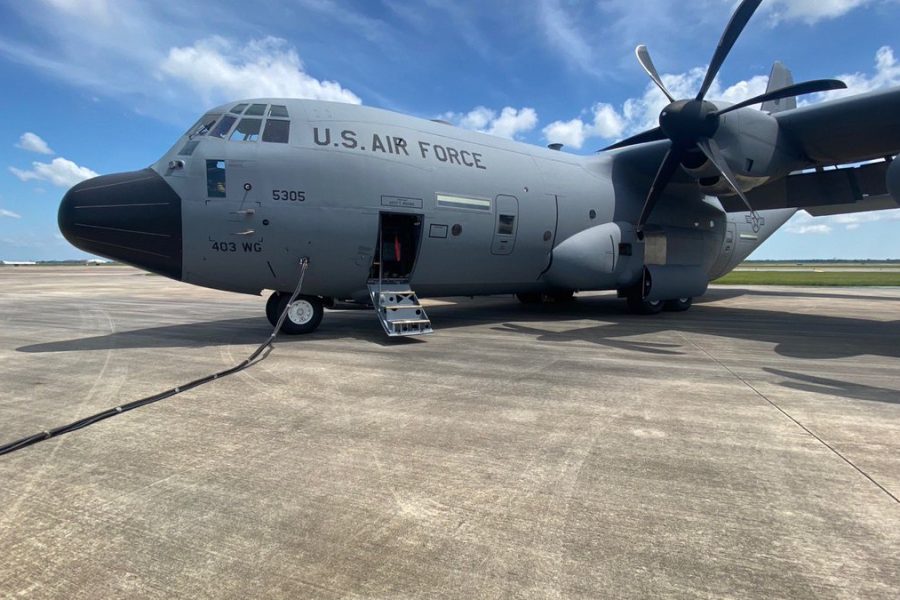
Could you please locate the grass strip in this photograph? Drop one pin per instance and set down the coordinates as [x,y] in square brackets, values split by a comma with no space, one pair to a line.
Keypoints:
[812,278]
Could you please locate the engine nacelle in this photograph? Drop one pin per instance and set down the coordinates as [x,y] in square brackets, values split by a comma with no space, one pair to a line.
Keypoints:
[756,152]
[893,180]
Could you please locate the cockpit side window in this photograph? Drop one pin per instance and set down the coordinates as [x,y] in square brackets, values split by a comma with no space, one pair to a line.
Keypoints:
[221,130]
[278,110]
[238,109]
[277,131]
[256,110]
[247,130]
[203,126]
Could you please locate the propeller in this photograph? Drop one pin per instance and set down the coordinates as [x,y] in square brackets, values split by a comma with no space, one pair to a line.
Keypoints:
[690,125]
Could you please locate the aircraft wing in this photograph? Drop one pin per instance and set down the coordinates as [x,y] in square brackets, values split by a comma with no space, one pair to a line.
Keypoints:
[840,132]
[847,130]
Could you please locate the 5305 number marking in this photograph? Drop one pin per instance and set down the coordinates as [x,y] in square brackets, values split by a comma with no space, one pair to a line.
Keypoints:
[289,195]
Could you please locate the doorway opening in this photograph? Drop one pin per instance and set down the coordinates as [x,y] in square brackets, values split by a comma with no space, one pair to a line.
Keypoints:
[397,245]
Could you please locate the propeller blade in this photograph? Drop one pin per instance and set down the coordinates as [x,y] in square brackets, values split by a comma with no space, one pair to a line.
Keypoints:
[643,56]
[663,176]
[739,20]
[651,135]
[807,87]
[710,148]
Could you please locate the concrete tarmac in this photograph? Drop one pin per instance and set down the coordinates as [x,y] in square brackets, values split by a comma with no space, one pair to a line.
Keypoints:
[749,448]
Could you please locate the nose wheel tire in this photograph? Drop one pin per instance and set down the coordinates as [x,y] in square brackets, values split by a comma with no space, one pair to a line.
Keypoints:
[678,304]
[303,316]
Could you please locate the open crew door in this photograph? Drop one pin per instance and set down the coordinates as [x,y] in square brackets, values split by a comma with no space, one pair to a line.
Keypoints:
[397,247]
[396,305]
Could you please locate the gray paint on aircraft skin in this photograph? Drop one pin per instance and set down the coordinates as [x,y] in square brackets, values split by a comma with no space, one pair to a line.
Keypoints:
[336,225]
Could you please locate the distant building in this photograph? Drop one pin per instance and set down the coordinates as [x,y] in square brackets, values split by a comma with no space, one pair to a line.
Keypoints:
[17,263]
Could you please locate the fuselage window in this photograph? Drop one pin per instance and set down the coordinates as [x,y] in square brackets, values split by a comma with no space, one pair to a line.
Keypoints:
[278,110]
[277,131]
[255,110]
[224,126]
[189,148]
[506,224]
[215,178]
[247,130]
[239,109]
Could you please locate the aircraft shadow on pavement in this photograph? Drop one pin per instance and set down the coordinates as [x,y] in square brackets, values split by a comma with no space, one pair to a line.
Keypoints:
[794,335]
[834,387]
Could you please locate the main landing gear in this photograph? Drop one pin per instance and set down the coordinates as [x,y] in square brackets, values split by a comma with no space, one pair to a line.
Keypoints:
[303,316]
[638,305]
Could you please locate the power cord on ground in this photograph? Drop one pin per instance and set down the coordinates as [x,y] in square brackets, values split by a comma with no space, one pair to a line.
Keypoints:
[258,355]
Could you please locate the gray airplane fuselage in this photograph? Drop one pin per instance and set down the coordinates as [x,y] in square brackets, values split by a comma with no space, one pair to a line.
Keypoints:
[494,215]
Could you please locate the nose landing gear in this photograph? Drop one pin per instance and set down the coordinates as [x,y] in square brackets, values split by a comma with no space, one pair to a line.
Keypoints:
[303,316]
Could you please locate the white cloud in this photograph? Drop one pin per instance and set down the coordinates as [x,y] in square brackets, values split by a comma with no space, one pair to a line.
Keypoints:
[856,220]
[508,124]
[10,214]
[803,223]
[98,9]
[33,143]
[811,11]
[60,172]
[806,229]
[886,74]
[218,69]
[562,33]
[605,122]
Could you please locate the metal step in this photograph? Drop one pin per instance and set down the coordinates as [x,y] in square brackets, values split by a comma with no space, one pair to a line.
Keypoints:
[399,310]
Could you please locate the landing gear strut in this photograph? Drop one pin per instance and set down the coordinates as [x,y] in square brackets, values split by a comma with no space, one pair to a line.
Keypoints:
[303,316]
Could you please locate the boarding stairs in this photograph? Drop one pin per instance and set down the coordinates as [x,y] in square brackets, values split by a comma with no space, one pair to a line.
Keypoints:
[399,309]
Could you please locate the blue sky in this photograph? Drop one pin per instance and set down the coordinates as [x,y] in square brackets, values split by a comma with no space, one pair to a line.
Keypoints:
[100,86]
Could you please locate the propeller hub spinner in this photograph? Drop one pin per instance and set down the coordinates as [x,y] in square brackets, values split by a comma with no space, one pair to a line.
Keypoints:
[686,121]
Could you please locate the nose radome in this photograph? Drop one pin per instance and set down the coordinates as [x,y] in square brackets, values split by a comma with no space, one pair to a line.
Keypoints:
[131,217]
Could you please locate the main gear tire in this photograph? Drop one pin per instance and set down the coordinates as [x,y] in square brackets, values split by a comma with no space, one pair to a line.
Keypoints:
[641,306]
[678,304]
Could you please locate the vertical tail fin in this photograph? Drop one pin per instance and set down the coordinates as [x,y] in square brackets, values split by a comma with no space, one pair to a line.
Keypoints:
[780,77]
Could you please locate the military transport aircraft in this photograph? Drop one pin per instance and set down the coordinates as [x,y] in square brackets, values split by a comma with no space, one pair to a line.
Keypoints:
[388,207]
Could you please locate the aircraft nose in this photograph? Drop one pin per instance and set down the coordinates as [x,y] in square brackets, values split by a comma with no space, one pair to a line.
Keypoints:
[131,217]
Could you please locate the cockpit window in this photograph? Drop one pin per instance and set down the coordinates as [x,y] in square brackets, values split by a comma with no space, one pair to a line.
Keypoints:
[256,110]
[202,126]
[277,131]
[246,131]
[278,110]
[239,109]
[224,126]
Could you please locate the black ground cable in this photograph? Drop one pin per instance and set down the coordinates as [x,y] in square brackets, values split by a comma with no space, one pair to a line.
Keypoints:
[258,355]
